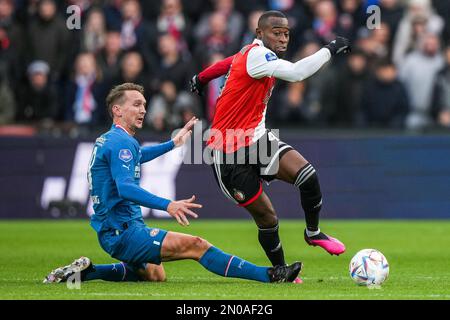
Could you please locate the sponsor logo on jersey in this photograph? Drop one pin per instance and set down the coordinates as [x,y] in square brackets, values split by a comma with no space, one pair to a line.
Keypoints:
[137,171]
[270,56]
[95,199]
[100,141]
[154,232]
[125,155]
[238,195]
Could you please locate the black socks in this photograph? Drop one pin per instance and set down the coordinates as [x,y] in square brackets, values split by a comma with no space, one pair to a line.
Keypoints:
[270,241]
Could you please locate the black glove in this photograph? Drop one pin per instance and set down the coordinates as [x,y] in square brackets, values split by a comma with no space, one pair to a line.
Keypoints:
[196,86]
[338,45]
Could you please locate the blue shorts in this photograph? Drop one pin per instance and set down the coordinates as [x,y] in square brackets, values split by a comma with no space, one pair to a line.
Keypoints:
[136,245]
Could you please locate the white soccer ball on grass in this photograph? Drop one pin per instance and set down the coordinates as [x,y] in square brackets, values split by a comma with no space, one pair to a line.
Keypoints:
[369,267]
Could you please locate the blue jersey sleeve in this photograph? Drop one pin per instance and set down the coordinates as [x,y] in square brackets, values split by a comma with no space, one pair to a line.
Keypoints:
[151,152]
[122,162]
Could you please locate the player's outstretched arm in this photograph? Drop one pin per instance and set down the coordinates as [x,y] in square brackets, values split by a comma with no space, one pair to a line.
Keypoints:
[130,191]
[179,209]
[151,152]
[218,69]
[261,66]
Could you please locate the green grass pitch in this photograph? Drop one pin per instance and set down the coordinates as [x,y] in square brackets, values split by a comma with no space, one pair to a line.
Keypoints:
[417,251]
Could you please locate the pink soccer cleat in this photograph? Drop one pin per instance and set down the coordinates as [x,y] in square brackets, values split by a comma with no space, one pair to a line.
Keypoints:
[331,245]
[297,281]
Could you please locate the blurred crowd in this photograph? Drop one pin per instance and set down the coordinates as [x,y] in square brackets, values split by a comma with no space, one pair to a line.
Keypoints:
[54,74]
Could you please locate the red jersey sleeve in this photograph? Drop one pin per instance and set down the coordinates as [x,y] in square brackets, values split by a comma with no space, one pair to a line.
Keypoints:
[216,70]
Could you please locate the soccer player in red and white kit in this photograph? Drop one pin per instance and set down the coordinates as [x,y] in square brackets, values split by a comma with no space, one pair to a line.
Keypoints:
[244,152]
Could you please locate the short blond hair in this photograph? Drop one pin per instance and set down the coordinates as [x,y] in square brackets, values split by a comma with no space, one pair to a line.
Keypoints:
[117,94]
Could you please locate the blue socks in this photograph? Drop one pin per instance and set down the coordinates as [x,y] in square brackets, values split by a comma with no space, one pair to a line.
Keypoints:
[218,262]
[214,260]
[112,272]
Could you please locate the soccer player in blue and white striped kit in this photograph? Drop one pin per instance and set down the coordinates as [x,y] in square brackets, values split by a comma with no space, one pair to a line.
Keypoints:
[114,174]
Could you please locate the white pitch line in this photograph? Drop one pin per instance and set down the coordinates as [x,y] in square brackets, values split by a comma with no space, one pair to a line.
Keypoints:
[112,294]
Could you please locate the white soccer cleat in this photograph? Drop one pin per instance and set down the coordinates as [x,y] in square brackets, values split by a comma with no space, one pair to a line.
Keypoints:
[63,273]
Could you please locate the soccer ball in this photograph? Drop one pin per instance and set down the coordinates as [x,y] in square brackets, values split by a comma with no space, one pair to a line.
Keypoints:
[369,267]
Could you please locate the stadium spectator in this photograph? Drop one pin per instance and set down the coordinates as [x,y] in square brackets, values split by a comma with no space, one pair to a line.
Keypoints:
[252,22]
[9,62]
[169,109]
[113,14]
[441,96]
[246,7]
[347,91]
[84,5]
[159,113]
[38,99]
[172,67]
[308,7]
[375,43]
[85,93]
[418,20]
[11,44]
[173,21]
[94,32]
[298,22]
[350,19]
[384,99]
[418,72]
[217,40]
[186,107]
[36,30]
[7,102]
[48,38]
[302,102]
[325,20]
[137,34]
[392,13]
[110,56]
[132,70]
[8,23]
[234,22]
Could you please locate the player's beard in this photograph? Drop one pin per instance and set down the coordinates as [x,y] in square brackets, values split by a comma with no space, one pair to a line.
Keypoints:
[280,54]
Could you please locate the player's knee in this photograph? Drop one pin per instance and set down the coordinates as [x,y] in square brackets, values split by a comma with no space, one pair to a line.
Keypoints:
[267,218]
[155,275]
[307,180]
[201,244]
[198,246]
[308,183]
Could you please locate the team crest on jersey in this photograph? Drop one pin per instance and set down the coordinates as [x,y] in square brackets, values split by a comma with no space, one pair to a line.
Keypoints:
[125,155]
[154,232]
[270,56]
[238,195]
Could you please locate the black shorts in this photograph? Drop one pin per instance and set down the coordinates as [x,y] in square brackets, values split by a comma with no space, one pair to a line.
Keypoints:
[240,174]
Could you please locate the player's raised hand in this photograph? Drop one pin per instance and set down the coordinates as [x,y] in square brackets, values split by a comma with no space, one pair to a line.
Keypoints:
[338,45]
[196,86]
[179,209]
[182,135]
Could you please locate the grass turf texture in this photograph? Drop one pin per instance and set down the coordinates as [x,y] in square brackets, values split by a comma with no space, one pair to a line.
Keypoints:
[417,252]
